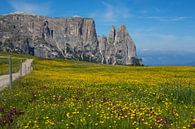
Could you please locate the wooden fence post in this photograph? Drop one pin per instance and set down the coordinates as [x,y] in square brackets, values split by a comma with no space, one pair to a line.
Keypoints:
[10,71]
[0,70]
[25,69]
[21,68]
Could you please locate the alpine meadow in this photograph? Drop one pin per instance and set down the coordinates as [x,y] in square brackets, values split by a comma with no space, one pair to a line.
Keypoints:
[97,64]
[72,94]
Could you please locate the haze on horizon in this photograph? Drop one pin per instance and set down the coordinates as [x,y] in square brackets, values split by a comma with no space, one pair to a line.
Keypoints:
[154,25]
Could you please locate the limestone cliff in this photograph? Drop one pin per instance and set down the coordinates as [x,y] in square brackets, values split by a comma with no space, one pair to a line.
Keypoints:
[118,48]
[68,38]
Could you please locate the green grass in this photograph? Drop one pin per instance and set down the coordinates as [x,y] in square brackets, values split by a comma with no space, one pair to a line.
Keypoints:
[73,94]
[16,62]
[4,65]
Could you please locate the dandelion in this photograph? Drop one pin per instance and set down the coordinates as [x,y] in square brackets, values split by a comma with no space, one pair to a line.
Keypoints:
[83,95]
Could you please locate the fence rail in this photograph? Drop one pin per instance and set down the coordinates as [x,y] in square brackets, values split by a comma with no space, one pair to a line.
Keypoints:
[24,68]
[6,57]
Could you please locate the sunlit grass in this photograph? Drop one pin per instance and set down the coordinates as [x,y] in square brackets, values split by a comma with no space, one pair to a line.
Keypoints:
[4,65]
[16,62]
[73,94]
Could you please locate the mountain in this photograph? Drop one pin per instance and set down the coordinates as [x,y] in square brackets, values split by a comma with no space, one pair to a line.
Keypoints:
[168,58]
[118,47]
[68,38]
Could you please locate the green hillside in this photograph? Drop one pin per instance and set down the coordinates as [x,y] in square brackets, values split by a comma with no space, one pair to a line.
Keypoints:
[72,94]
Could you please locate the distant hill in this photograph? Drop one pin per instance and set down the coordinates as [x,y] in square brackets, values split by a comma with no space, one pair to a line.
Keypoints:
[191,63]
[165,58]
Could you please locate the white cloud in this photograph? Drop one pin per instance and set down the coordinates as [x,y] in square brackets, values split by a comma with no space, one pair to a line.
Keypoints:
[32,8]
[167,19]
[158,10]
[143,11]
[109,14]
[112,12]
[160,41]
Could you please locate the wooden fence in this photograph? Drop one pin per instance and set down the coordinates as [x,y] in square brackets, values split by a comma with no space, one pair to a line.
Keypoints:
[10,67]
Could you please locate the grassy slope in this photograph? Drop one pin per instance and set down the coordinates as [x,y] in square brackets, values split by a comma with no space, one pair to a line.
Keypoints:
[72,94]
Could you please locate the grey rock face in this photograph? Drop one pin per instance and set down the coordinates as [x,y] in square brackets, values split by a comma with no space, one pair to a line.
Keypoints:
[68,38]
[119,48]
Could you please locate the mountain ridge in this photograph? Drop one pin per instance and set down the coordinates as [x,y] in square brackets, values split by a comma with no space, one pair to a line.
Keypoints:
[167,58]
[68,38]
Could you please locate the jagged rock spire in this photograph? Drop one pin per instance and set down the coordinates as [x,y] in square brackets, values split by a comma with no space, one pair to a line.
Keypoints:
[120,48]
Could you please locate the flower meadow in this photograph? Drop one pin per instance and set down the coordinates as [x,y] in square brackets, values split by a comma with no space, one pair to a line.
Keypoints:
[60,94]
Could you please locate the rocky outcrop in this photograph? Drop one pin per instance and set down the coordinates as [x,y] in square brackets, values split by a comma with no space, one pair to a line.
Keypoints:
[68,38]
[118,48]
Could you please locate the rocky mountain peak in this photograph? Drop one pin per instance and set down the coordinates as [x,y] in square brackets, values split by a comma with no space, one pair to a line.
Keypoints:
[69,38]
[112,34]
[113,30]
[122,28]
[119,48]
[123,31]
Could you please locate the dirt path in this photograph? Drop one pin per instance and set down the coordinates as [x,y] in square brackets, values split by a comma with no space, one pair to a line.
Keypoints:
[26,68]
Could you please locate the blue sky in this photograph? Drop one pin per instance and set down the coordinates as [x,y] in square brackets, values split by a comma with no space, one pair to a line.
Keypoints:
[153,24]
